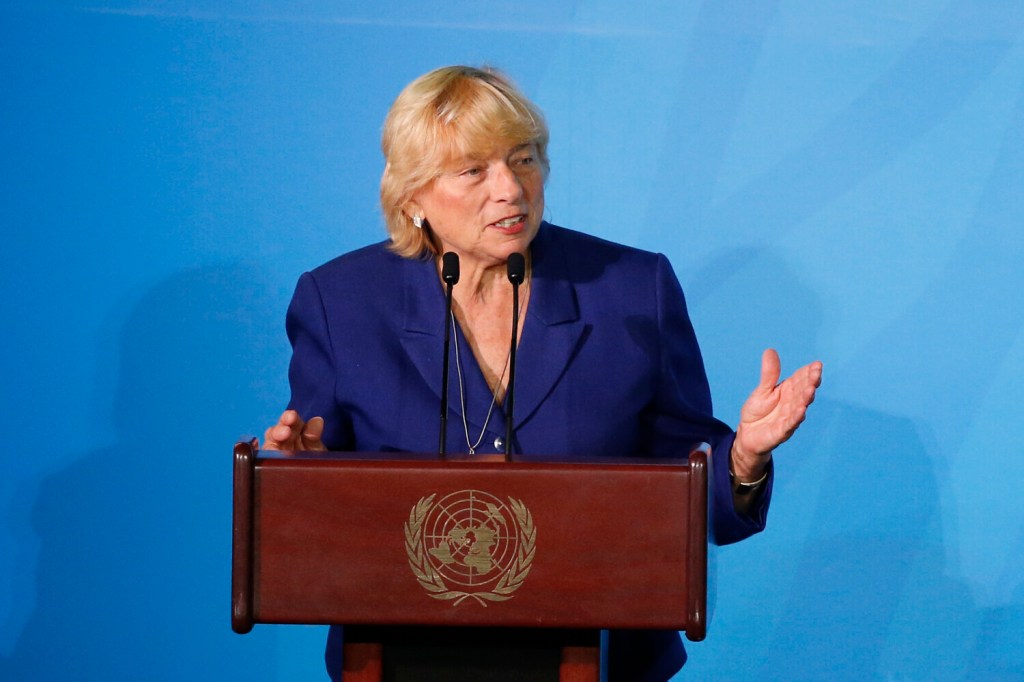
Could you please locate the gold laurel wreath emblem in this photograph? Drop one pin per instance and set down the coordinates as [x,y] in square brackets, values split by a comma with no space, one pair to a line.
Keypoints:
[432,581]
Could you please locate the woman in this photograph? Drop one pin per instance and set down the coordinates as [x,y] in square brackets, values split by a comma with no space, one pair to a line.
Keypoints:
[607,360]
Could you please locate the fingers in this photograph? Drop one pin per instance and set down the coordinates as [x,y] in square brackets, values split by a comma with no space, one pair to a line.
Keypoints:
[268,440]
[809,379]
[312,434]
[771,369]
[288,426]
[292,433]
[774,411]
[816,369]
[814,378]
[809,374]
[277,436]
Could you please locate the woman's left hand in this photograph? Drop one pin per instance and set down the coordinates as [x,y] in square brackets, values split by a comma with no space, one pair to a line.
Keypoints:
[771,414]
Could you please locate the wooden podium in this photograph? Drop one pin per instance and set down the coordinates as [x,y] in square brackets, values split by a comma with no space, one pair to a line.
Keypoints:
[536,547]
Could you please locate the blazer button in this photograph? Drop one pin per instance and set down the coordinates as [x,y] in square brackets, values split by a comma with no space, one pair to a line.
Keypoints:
[499,444]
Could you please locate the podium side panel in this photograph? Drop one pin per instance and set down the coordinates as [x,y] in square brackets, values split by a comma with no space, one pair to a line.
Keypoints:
[242,614]
[697,548]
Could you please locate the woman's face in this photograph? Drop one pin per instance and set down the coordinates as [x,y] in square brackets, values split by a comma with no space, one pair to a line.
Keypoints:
[485,208]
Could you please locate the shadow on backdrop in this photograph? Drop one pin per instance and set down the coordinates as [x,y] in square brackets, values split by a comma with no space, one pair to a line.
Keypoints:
[134,539]
[853,560]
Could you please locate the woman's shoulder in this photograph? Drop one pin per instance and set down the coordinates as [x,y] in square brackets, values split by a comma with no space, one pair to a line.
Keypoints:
[368,261]
[589,242]
[587,257]
[372,268]
[371,272]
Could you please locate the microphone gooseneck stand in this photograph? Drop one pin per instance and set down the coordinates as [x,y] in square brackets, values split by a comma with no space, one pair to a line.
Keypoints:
[516,274]
[450,276]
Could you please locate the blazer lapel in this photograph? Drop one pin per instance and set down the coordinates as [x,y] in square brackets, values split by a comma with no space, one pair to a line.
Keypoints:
[423,341]
[553,329]
[423,320]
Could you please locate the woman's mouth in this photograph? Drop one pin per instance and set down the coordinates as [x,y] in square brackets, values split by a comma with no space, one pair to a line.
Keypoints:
[510,224]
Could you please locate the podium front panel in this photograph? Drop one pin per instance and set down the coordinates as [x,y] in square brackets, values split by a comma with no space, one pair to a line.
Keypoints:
[352,540]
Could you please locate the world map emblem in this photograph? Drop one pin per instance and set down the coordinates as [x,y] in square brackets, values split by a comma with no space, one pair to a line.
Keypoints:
[470,545]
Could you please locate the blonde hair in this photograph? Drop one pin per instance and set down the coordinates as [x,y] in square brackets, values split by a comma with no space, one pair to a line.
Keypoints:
[449,113]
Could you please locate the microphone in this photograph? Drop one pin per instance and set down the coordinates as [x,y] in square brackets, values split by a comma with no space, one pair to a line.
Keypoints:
[450,276]
[516,274]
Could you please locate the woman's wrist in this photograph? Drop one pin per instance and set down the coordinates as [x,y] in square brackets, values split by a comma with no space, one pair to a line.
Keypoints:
[748,469]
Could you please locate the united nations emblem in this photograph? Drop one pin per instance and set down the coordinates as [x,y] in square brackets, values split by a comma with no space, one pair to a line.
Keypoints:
[470,545]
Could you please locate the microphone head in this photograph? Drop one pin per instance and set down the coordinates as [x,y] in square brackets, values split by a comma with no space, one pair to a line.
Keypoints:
[450,267]
[516,268]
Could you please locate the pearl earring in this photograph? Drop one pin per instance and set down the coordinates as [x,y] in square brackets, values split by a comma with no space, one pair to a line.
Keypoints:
[417,221]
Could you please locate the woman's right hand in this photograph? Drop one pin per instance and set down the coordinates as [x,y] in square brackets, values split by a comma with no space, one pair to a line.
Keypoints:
[292,433]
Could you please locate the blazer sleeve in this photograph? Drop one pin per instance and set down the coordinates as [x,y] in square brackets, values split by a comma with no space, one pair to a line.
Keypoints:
[312,373]
[683,410]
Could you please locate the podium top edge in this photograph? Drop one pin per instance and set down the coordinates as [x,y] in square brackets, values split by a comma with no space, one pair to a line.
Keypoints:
[284,456]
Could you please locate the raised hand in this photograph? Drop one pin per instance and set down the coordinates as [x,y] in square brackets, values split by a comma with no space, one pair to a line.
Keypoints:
[771,414]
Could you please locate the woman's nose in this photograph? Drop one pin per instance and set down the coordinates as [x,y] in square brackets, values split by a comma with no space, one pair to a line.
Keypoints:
[506,185]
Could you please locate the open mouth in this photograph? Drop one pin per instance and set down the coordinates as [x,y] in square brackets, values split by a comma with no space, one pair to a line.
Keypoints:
[511,222]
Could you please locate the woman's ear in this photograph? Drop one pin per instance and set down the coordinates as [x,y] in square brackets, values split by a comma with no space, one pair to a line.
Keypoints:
[412,209]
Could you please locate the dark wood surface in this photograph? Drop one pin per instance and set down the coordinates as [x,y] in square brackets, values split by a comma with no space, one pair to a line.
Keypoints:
[323,539]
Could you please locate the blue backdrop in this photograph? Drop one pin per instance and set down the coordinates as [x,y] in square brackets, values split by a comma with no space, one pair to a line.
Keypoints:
[842,181]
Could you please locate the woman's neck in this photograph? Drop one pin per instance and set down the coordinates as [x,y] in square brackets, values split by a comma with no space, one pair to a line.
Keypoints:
[484,285]
[483,301]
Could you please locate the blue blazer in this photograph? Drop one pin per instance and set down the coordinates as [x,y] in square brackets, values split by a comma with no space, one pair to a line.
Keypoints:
[608,365]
